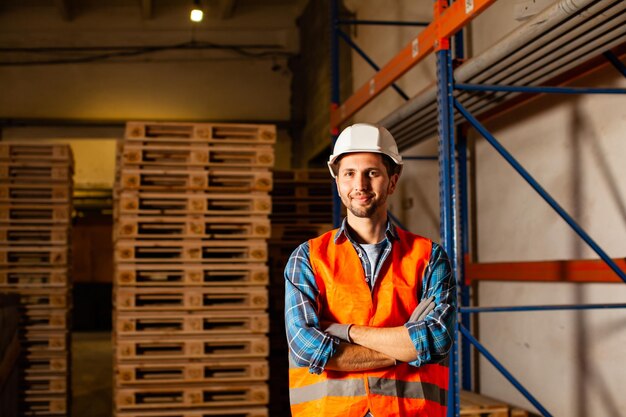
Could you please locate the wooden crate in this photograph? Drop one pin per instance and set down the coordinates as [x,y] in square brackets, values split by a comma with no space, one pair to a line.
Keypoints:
[203,298]
[35,172]
[249,227]
[226,133]
[168,323]
[35,405]
[181,396]
[44,384]
[223,412]
[36,152]
[192,347]
[33,277]
[185,155]
[35,193]
[21,213]
[214,180]
[214,251]
[18,234]
[177,204]
[147,373]
[192,275]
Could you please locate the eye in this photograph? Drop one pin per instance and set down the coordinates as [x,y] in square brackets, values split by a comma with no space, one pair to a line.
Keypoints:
[373,173]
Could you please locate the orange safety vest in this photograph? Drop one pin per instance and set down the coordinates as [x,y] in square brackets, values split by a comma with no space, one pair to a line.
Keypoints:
[345,297]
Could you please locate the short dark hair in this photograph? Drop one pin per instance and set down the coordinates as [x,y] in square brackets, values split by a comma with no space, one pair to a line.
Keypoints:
[390,165]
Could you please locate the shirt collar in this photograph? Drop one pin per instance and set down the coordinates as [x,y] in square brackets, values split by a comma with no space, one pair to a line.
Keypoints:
[344,233]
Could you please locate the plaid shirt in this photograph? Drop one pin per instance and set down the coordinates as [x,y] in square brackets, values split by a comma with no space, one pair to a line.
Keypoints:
[310,347]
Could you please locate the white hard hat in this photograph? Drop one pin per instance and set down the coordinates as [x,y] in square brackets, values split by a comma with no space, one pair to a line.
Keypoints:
[364,137]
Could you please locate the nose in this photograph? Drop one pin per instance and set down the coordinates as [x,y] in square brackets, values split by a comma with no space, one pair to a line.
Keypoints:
[361,182]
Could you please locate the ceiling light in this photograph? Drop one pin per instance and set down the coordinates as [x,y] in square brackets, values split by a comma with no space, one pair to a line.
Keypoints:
[196,13]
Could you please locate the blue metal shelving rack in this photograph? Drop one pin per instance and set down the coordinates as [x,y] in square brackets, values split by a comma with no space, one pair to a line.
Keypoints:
[453,188]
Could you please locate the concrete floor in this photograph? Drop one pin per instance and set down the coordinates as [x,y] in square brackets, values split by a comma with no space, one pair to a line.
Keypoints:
[92,374]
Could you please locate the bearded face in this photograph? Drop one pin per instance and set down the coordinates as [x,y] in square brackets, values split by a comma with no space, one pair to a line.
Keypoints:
[364,184]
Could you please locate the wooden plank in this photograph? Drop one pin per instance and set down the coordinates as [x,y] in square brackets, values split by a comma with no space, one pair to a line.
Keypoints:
[172,204]
[224,412]
[44,319]
[33,172]
[36,152]
[30,213]
[44,384]
[184,155]
[33,277]
[178,396]
[192,347]
[45,405]
[45,362]
[35,193]
[171,323]
[19,235]
[192,275]
[198,298]
[477,405]
[147,373]
[33,256]
[214,180]
[45,342]
[546,271]
[248,227]
[227,133]
[51,298]
[214,251]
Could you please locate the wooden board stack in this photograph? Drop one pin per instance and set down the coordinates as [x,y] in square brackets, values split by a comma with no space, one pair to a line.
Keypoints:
[190,296]
[35,214]
[301,209]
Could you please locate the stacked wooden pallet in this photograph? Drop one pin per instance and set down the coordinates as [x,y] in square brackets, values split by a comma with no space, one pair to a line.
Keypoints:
[301,209]
[191,229]
[35,212]
[477,405]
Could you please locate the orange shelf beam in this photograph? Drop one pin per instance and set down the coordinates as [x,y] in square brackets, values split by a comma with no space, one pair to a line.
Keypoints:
[545,271]
[434,37]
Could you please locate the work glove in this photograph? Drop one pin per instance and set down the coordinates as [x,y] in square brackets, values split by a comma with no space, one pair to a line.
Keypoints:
[340,331]
[423,309]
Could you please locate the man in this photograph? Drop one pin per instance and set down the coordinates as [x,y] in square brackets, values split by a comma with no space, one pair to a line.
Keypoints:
[369,307]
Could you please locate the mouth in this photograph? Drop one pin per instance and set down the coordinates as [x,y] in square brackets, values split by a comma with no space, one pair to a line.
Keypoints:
[362,198]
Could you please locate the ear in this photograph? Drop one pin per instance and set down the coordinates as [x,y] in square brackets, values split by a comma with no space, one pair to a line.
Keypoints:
[393,181]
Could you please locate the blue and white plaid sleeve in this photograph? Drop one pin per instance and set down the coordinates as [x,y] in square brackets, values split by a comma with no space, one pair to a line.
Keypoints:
[308,345]
[433,336]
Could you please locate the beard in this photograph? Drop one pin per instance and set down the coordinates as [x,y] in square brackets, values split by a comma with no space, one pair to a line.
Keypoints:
[367,210]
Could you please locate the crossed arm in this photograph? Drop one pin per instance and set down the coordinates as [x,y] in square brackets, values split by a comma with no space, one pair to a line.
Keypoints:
[419,341]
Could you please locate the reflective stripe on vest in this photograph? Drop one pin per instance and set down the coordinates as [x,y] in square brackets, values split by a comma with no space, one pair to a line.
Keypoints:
[345,297]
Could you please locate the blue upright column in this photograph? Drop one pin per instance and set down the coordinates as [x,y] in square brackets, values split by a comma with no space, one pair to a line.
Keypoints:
[447,199]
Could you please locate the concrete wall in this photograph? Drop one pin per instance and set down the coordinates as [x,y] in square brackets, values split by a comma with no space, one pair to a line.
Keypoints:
[571,361]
